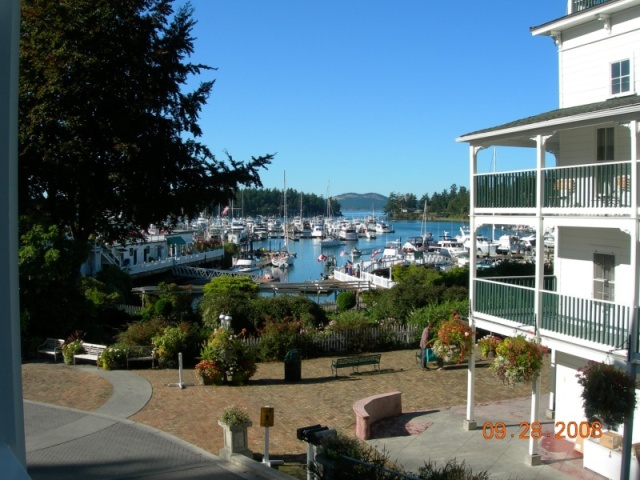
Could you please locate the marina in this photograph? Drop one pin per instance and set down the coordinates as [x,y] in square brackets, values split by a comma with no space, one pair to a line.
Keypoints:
[315,259]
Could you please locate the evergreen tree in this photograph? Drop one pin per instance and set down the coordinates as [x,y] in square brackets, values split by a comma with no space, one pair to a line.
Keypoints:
[107,136]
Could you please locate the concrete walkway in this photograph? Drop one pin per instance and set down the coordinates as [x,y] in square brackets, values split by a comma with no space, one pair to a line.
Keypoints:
[64,443]
[439,436]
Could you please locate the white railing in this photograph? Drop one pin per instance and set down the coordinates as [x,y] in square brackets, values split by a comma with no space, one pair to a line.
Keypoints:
[171,262]
[340,341]
[130,309]
[373,280]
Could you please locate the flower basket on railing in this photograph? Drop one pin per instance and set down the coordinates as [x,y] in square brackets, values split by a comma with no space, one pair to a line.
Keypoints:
[608,394]
[455,340]
[518,360]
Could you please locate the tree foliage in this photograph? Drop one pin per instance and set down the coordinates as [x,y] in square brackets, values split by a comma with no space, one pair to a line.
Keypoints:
[108,141]
[107,136]
[270,202]
[451,203]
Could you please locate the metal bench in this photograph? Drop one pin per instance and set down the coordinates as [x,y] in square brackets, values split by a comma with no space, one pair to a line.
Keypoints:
[144,353]
[355,362]
[52,346]
[91,352]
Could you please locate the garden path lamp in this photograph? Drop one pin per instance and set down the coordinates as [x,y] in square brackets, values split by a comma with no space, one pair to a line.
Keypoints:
[225,321]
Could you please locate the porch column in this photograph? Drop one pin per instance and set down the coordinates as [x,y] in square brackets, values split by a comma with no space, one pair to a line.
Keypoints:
[533,457]
[12,441]
[625,469]
[470,422]
[551,411]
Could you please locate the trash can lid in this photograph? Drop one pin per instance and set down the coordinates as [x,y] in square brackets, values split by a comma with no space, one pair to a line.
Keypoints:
[292,355]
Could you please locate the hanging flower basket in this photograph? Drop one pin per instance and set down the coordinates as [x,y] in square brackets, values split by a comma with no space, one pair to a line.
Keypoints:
[608,394]
[455,340]
[488,345]
[518,360]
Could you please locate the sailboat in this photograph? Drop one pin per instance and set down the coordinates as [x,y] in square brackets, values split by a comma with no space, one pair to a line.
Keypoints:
[285,258]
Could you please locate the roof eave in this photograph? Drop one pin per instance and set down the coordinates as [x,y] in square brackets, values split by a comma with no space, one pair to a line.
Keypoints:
[581,17]
[551,125]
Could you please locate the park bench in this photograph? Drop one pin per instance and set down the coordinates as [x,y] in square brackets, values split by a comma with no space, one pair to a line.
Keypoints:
[355,362]
[142,353]
[91,352]
[51,346]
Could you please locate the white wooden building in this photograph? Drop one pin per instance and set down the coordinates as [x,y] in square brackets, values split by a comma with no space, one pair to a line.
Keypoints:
[584,187]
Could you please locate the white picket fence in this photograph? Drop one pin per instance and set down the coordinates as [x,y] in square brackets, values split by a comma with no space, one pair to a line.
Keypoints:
[341,341]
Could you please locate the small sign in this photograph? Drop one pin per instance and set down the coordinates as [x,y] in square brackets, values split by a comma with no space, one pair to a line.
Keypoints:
[266,417]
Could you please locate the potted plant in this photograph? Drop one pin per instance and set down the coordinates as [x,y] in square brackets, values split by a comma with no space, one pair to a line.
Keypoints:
[114,356]
[454,341]
[608,394]
[518,360]
[71,346]
[234,360]
[209,372]
[235,421]
[488,345]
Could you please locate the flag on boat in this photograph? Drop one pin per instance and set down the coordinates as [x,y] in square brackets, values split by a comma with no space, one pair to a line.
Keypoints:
[343,253]
[225,211]
[375,252]
[322,257]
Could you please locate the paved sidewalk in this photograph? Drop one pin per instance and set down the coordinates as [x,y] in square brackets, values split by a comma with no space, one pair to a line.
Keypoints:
[64,443]
[176,432]
[442,437]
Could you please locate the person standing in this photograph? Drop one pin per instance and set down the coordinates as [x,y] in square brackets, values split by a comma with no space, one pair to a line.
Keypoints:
[424,344]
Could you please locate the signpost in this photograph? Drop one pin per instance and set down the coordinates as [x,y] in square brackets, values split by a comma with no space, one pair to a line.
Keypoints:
[266,420]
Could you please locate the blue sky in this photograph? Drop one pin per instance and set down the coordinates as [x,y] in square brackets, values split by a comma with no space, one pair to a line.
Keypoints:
[369,95]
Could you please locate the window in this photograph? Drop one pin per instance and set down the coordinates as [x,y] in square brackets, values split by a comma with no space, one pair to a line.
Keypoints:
[603,276]
[620,77]
[605,145]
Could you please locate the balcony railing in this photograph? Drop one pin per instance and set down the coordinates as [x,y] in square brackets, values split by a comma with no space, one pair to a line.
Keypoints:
[586,187]
[579,5]
[581,319]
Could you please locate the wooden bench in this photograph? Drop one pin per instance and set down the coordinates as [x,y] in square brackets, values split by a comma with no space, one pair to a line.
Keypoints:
[92,352]
[144,353]
[356,362]
[52,346]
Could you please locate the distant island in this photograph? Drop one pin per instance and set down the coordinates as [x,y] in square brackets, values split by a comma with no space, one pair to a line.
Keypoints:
[361,202]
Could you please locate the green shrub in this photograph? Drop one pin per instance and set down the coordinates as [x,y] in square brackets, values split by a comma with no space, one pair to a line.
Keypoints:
[377,466]
[183,338]
[114,356]
[231,355]
[340,446]
[72,345]
[141,332]
[452,470]
[346,300]
[163,307]
[70,349]
[279,336]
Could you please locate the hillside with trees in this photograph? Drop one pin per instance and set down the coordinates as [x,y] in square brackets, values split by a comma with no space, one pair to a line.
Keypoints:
[453,203]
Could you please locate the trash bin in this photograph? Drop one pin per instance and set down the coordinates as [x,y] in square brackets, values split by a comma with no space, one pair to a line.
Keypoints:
[292,366]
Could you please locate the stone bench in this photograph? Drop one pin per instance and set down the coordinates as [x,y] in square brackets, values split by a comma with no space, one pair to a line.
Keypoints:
[374,408]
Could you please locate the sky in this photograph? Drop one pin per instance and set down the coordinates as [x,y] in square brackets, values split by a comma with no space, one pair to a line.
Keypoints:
[370,95]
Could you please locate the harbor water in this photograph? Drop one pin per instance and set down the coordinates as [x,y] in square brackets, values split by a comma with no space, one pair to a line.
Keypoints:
[308,266]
